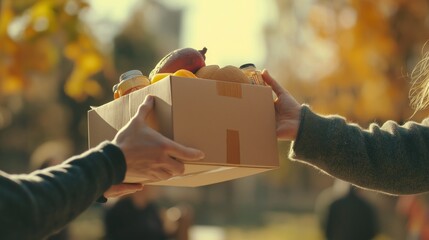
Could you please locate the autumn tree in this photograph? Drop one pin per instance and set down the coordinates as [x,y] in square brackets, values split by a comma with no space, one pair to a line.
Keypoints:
[352,57]
[48,60]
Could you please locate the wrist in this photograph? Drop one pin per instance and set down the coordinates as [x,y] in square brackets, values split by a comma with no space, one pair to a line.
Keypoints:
[117,161]
[296,123]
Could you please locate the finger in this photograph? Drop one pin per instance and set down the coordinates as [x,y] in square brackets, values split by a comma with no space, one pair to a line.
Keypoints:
[277,88]
[126,187]
[122,189]
[120,194]
[181,152]
[145,108]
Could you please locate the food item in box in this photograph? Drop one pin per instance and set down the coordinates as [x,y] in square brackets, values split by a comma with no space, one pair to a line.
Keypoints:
[179,73]
[184,73]
[254,75]
[184,58]
[131,81]
[158,77]
[228,73]
[207,72]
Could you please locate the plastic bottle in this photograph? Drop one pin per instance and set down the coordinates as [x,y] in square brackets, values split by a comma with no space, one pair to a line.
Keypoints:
[252,73]
[130,81]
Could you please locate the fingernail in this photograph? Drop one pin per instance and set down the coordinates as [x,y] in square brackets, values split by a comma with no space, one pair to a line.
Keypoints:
[265,72]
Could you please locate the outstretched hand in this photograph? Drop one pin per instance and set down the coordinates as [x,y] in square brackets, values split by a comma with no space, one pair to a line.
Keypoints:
[288,110]
[148,153]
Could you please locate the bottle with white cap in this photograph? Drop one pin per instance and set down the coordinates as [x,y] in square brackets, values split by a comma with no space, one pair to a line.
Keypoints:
[130,81]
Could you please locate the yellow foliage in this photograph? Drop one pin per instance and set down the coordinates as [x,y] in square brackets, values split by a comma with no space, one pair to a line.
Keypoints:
[75,85]
[92,88]
[6,16]
[72,50]
[11,84]
[43,16]
[79,86]
[90,62]
[361,87]
[42,8]
[39,43]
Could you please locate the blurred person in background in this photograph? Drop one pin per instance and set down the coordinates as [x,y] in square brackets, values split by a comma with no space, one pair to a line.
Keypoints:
[138,216]
[346,215]
[35,205]
[390,158]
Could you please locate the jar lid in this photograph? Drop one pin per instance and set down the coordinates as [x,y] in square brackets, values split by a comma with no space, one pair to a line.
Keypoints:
[130,74]
[247,65]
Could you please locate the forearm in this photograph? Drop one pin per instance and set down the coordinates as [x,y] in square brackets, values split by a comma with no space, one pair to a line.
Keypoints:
[34,205]
[390,158]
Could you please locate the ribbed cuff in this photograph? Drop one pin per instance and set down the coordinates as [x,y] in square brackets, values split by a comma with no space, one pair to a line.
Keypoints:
[117,161]
[311,138]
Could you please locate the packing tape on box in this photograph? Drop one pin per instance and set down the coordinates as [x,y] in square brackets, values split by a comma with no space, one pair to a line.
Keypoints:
[232,146]
[229,89]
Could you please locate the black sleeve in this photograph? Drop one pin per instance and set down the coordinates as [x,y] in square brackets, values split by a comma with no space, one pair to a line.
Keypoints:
[35,205]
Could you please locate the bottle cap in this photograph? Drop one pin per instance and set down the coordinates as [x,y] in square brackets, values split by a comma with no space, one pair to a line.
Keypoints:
[247,65]
[130,74]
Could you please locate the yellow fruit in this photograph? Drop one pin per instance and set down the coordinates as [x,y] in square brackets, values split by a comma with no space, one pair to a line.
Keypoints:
[207,72]
[230,74]
[158,77]
[184,73]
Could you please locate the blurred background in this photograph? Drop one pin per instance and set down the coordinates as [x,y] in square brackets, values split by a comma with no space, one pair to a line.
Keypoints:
[348,57]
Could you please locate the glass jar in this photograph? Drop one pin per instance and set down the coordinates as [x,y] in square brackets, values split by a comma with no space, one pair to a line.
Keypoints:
[252,73]
[130,81]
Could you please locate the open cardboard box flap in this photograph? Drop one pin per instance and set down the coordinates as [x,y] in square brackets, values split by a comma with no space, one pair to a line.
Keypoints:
[232,123]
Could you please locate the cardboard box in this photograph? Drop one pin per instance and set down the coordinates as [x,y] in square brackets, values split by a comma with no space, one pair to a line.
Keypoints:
[232,123]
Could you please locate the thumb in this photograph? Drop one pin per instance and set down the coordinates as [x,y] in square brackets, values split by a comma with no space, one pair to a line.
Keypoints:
[145,108]
[123,189]
[277,88]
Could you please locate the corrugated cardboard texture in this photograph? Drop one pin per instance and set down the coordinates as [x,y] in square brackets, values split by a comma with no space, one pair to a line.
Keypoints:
[234,124]
[202,117]
[103,125]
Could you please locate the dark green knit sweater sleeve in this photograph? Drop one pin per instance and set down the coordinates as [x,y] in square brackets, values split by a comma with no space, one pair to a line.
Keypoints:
[388,158]
[35,205]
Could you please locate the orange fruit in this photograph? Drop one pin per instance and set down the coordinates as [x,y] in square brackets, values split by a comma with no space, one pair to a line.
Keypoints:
[184,73]
[158,77]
